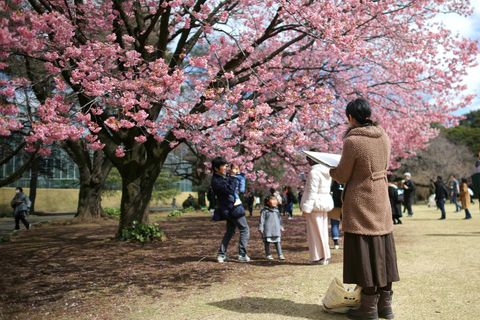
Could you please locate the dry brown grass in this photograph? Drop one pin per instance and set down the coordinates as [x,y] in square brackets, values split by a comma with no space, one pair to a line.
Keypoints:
[79,272]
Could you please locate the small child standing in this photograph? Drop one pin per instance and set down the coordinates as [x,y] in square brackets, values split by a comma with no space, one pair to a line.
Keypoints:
[271,227]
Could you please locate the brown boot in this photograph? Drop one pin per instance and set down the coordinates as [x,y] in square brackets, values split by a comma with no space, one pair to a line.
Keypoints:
[385,305]
[367,310]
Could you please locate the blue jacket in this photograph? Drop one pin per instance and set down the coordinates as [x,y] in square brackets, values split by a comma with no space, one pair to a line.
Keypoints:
[242,182]
[224,188]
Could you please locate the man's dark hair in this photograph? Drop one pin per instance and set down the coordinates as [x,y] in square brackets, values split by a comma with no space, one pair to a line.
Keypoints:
[439,178]
[218,162]
[19,189]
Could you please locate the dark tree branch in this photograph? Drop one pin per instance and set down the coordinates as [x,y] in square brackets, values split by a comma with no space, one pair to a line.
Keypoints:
[19,172]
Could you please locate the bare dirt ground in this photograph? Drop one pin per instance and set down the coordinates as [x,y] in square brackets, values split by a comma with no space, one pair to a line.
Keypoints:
[78,271]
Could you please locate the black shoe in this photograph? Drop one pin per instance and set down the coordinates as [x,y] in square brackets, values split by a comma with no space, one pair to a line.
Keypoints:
[399,222]
[441,219]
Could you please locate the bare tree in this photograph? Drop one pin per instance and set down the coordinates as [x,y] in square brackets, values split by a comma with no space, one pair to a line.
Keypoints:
[441,158]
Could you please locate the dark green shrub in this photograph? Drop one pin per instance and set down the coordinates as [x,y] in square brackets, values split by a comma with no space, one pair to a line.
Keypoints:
[112,212]
[143,233]
[175,213]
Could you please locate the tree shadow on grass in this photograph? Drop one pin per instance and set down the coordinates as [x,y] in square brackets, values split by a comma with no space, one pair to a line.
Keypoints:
[258,305]
[459,234]
[57,264]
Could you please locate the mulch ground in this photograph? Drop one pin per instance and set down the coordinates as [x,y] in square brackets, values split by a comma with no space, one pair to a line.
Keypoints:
[60,269]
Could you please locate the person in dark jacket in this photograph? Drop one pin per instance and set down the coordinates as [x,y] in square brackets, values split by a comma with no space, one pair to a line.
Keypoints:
[336,190]
[225,187]
[408,193]
[290,200]
[249,200]
[395,202]
[454,192]
[20,208]
[441,194]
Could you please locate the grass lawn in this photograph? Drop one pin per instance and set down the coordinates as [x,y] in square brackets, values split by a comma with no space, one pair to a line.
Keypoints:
[77,271]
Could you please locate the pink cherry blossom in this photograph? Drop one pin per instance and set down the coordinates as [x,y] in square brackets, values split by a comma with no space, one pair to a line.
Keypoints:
[120,152]
[270,88]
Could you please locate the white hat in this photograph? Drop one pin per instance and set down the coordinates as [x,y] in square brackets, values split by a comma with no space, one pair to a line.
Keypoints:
[407,174]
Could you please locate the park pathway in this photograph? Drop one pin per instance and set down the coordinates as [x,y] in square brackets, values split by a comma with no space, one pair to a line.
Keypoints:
[7,224]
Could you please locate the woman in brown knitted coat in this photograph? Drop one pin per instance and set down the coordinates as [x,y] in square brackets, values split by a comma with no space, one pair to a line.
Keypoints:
[369,249]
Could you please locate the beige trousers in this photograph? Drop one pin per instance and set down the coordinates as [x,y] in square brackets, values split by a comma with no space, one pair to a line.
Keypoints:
[317,235]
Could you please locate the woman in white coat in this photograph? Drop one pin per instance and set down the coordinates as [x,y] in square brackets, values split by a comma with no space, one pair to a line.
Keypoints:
[316,202]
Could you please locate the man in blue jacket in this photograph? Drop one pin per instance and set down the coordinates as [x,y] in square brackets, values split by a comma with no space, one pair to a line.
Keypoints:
[224,187]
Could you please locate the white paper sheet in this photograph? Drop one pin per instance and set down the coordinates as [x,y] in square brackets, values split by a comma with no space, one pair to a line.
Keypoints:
[330,160]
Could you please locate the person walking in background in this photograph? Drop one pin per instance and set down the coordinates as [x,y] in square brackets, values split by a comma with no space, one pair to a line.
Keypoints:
[290,200]
[225,188]
[20,204]
[316,202]
[476,177]
[336,213]
[271,227]
[395,201]
[300,194]
[454,192]
[369,255]
[465,198]
[408,193]
[249,200]
[441,195]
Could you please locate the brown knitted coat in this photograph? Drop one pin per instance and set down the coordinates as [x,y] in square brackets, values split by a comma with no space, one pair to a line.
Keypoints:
[366,206]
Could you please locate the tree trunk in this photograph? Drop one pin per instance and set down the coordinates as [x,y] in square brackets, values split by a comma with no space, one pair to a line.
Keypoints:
[201,198]
[33,183]
[137,187]
[94,169]
[90,202]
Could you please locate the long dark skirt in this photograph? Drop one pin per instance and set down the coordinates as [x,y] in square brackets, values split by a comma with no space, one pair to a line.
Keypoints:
[369,261]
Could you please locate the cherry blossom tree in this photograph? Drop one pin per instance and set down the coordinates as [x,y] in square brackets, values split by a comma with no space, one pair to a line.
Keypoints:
[239,78]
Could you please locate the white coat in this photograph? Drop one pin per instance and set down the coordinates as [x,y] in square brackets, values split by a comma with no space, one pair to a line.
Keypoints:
[316,196]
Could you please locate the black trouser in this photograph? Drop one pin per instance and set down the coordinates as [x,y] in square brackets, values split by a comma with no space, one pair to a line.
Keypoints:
[408,204]
[21,216]
[441,206]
